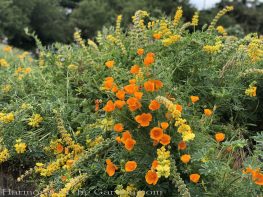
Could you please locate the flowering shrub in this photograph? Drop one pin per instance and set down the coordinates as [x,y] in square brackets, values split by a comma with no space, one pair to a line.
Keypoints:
[161,107]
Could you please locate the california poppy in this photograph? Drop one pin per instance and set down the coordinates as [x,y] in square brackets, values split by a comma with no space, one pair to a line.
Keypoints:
[182,145]
[120,94]
[135,69]
[156,133]
[154,164]
[144,119]
[119,104]
[129,144]
[130,166]
[208,112]
[185,158]
[118,127]
[149,86]
[60,148]
[154,105]
[151,177]
[219,137]
[109,106]
[164,125]
[194,99]
[165,140]
[134,104]
[194,177]
[138,95]
[109,63]
[140,51]
[131,88]
[110,168]
[156,36]
[125,135]
[149,59]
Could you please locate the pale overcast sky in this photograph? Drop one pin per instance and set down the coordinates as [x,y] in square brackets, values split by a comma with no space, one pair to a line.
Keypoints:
[205,4]
[201,4]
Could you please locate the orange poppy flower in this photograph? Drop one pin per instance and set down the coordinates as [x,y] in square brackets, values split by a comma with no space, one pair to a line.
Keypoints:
[109,106]
[158,84]
[63,178]
[144,119]
[194,99]
[154,164]
[140,51]
[118,139]
[258,178]
[154,105]
[194,177]
[182,145]
[125,135]
[134,104]
[149,59]
[110,168]
[120,94]
[151,177]
[114,88]
[131,88]
[135,69]
[119,104]
[108,83]
[157,36]
[130,166]
[156,133]
[219,137]
[208,112]
[149,86]
[165,140]
[60,148]
[185,158]
[179,107]
[110,63]
[118,127]
[164,125]
[138,95]
[129,144]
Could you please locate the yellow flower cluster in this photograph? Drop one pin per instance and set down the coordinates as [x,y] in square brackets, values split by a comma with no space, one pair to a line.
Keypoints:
[251,91]
[21,72]
[20,146]
[51,167]
[171,40]
[117,42]
[91,143]
[220,29]
[23,55]
[35,120]
[195,19]
[183,128]
[6,88]
[164,30]
[3,63]
[213,48]
[118,25]
[255,50]
[178,15]
[219,15]
[7,48]
[7,118]
[163,158]
[78,39]
[4,155]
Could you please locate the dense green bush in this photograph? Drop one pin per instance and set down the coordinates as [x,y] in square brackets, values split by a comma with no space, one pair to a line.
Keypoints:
[200,88]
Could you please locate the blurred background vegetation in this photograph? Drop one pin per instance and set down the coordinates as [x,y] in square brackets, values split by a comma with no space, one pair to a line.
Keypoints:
[55,20]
